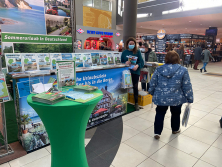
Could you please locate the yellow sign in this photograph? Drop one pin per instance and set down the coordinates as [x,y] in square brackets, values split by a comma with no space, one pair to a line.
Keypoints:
[97,18]
[161,34]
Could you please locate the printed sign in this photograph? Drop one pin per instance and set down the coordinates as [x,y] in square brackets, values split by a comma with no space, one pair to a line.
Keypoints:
[43,61]
[13,62]
[161,34]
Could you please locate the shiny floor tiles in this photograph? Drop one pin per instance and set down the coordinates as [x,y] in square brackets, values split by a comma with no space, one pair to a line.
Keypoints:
[128,141]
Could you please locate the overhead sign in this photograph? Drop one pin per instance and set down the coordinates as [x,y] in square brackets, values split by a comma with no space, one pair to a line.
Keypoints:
[41,39]
[80,31]
[99,32]
[187,36]
[161,34]
[118,34]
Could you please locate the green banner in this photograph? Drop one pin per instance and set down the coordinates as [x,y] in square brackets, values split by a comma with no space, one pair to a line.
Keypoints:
[40,39]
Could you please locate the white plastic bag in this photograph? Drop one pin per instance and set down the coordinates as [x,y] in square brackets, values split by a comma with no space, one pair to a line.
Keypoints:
[186,115]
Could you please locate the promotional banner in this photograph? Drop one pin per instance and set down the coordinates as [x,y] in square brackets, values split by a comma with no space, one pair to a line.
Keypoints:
[113,104]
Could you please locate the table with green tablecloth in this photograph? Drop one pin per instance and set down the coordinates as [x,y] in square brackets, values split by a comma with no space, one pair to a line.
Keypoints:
[65,123]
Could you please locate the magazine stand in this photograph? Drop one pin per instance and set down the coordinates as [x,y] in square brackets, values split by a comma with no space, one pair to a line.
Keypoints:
[65,123]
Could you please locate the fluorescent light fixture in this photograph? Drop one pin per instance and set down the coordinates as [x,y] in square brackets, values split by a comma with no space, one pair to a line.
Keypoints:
[142,15]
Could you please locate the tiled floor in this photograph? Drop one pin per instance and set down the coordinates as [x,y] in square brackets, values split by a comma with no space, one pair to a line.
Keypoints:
[128,141]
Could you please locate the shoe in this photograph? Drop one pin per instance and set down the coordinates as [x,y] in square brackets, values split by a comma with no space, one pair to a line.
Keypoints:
[205,70]
[201,70]
[156,137]
[220,122]
[137,107]
[175,132]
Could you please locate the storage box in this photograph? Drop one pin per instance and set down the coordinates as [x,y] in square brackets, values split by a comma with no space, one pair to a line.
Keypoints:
[142,100]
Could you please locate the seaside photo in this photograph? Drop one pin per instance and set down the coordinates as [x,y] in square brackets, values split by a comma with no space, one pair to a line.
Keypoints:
[22,16]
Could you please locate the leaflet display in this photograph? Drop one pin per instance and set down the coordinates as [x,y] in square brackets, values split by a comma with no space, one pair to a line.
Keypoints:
[13,62]
[53,58]
[29,62]
[4,95]
[43,61]
[78,58]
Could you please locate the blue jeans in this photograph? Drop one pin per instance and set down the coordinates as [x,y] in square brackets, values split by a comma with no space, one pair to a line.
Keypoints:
[204,66]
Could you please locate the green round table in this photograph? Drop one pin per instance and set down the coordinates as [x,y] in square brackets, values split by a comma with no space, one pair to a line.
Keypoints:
[65,123]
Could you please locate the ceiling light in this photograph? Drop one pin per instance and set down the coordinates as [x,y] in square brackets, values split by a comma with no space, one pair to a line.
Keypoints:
[162,24]
[209,26]
[190,21]
[201,24]
[142,15]
[185,28]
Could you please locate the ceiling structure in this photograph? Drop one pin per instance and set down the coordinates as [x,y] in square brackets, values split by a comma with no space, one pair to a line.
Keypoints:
[191,25]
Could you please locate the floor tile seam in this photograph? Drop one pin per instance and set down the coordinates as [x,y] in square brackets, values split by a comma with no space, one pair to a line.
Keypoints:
[208,119]
[153,160]
[198,109]
[208,130]
[144,120]
[47,149]
[214,113]
[32,161]
[130,137]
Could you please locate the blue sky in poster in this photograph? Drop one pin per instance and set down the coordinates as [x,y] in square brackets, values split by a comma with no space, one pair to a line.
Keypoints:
[29,21]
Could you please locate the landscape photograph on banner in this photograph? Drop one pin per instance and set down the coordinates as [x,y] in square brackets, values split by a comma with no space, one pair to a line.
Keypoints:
[22,16]
[57,17]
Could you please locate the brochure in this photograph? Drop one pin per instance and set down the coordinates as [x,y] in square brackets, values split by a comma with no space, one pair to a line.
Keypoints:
[103,58]
[117,57]
[53,58]
[85,87]
[67,56]
[95,59]
[13,62]
[48,97]
[78,58]
[4,95]
[66,73]
[29,62]
[110,58]
[87,60]
[43,61]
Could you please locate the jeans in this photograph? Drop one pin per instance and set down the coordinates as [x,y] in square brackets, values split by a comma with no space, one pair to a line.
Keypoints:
[159,119]
[196,64]
[135,80]
[204,66]
[145,86]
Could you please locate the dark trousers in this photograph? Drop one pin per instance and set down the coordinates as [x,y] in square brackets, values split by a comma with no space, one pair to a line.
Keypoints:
[159,119]
[135,80]
[145,86]
[196,64]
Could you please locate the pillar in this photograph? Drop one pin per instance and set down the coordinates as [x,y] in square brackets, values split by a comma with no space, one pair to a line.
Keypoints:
[129,19]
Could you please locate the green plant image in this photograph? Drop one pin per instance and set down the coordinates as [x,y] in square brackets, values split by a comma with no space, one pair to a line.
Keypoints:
[108,58]
[25,120]
[84,58]
[74,58]
[47,59]
[26,61]
[10,61]
[54,61]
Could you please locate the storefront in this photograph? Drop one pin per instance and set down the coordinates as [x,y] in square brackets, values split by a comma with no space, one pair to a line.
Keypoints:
[91,38]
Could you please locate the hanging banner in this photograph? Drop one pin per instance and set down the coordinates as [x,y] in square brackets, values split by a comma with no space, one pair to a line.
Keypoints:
[30,38]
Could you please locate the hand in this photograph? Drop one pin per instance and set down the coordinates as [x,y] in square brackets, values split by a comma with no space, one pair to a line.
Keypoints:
[128,63]
[135,67]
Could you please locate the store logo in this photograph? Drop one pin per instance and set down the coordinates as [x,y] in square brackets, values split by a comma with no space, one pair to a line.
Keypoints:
[161,34]
[118,34]
[80,31]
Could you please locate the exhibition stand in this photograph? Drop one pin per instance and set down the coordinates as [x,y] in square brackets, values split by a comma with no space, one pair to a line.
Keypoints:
[66,123]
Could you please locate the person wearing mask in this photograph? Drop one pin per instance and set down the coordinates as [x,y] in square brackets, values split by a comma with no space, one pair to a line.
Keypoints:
[197,56]
[206,56]
[170,86]
[180,51]
[150,56]
[140,45]
[131,50]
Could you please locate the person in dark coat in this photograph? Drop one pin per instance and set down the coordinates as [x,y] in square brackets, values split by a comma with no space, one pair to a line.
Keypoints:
[197,56]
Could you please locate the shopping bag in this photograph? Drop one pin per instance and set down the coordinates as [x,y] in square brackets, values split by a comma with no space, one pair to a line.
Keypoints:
[186,115]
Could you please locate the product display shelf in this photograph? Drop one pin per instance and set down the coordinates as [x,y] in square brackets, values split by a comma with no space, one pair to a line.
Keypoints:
[66,123]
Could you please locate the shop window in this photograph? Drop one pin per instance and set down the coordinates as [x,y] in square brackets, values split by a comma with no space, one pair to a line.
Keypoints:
[97,4]
[87,3]
[106,5]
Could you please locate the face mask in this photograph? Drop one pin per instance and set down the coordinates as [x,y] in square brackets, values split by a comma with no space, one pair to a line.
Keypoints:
[131,47]
[102,47]
[142,49]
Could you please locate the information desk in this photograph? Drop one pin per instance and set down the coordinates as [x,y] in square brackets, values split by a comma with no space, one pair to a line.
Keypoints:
[113,103]
[65,123]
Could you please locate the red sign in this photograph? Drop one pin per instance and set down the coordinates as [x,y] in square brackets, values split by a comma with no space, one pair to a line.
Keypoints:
[107,36]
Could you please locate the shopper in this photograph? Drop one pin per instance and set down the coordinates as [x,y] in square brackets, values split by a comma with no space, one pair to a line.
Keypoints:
[150,56]
[180,51]
[197,56]
[131,50]
[206,55]
[170,86]
[169,48]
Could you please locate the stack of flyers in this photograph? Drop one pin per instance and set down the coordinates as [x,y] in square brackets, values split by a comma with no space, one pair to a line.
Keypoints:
[117,57]
[43,61]
[110,58]
[87,60]
[95,59]
[78,58]
[133,60]
[48,98]
[29,61]
[55,57]
[67,56]
[103,58]
[13,62]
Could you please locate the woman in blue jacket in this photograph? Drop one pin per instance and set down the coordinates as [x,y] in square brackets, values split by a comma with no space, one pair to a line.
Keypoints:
[170,86]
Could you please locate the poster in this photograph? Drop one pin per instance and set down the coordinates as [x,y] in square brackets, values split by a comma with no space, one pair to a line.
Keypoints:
[87,59]
[4,95]
[67,56]
[23,16]
[29,61]
[13,62]
[78,58]
[110,58]
[66,73]
[117,58]
[95,59]
[53,58]
[79,44]
[43,61]
[103,58]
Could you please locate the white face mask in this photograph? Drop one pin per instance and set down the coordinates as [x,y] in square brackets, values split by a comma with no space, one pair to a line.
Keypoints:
[142,49]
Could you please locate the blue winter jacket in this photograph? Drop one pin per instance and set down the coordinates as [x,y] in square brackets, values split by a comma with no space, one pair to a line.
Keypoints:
[170,85]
